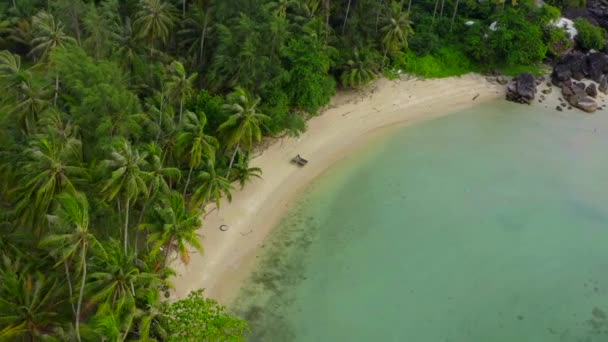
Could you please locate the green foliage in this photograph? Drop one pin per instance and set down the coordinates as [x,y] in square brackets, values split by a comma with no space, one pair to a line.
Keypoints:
[195,319]
[445,62]
[360,69]
[424,43]
[514,42]
[558,41]
[589,36]
[309,86]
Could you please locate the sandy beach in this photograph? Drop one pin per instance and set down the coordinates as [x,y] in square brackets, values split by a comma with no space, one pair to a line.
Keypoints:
[350,121]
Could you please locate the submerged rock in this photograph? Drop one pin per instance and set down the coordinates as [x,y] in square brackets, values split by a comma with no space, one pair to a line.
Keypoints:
[522,89]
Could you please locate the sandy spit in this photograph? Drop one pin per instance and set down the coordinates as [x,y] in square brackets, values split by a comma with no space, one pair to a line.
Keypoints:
[349,122]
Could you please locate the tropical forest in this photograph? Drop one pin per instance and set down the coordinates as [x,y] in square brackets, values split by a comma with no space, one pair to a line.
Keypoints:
[124,123]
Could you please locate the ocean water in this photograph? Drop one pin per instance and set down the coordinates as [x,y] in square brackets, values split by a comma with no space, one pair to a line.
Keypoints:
[487,225]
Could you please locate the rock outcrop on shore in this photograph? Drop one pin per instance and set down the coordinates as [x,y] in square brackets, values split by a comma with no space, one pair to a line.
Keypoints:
[577,65]
[522,89]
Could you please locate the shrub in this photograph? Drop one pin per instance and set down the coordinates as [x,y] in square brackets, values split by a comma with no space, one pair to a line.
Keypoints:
[589,36]
[558,41]
[424,43]
[445,62]
[202,319]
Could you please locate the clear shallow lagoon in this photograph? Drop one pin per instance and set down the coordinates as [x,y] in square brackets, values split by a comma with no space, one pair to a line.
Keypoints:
[488,225]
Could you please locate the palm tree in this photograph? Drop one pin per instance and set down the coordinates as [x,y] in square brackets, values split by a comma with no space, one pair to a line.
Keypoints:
[180,85]
[396,28]
[243,127]
[196,28]
[127,178]
[74,242]
[31,101]
[195,144]
[126,44]
[10,70]
[455,12]
[211,187]
[346,16]
[243,173]
[48,34]
[359,70]
[50,168]
[154,20]
[174,229]
[28,302]
[117,280]
[279,7]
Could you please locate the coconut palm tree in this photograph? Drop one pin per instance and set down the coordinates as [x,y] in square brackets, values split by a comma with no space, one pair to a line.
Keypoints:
[194,143]
[154,21]
[174,229]
[180,85]
[359,70]
[194,33]
[210,187]
[396,28]
[50,167]
[29,302]
[48,35]
[117,280]
[10,70]
[243,127]
[73,242]
[243,173]
[31,101]
[127,179]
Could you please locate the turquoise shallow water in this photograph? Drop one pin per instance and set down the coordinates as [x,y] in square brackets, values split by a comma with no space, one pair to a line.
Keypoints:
[487,225]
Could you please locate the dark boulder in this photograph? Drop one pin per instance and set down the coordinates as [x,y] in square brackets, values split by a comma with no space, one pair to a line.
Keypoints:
[561,73]
[585,103]
[522,89]
[604,84]
[577,62]
[591,90]
[597,63]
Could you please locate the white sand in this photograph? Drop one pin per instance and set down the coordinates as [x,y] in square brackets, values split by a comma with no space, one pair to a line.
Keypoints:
[230,256]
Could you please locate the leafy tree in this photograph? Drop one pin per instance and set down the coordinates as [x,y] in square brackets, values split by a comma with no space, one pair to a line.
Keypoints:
[198,319]
[243,173]
[48,34]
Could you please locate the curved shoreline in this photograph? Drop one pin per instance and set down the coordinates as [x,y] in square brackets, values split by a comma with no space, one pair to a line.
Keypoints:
[351,121]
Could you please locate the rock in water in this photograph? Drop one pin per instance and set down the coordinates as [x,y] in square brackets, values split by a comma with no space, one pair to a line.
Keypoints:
[522,89]
[591,90]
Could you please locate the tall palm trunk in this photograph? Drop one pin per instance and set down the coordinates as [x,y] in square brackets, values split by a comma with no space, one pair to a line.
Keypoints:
[409,5]
[346,17]
[126,232]
[454,15]
[183,9]
[327,6]
[56,89]
[441,11]
[232,160]
[160,116]
[70,290]
[181,109]
[203,35]
[434,13]
[168,251]
[188,180]
[81,294]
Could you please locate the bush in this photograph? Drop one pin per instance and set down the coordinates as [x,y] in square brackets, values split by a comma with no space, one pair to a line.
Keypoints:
[589,36]
[445,62]
[202,319]
[558,41]
[424,43]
